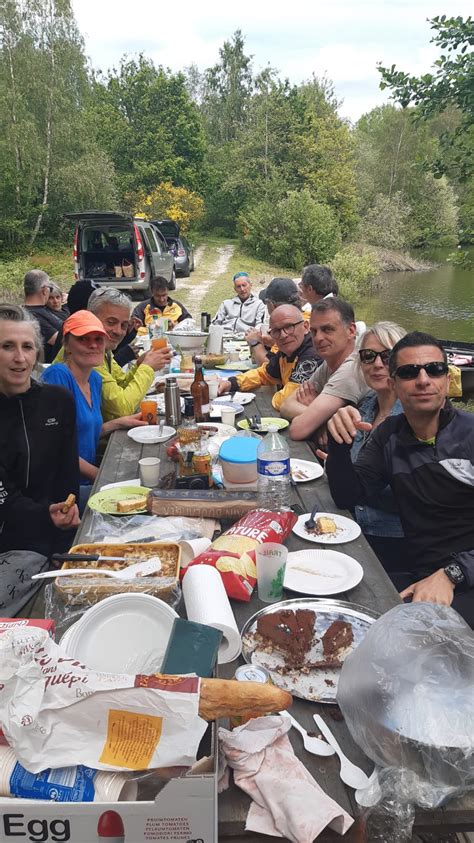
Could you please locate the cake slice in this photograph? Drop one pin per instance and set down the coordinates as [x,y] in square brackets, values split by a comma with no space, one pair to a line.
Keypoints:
[288,632]
[325,526]
[338,637]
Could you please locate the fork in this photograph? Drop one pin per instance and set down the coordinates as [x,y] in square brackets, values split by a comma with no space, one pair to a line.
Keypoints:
[311,744]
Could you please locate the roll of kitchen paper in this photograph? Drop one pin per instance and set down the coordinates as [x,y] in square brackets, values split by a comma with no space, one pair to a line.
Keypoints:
[206,602]
[214,343]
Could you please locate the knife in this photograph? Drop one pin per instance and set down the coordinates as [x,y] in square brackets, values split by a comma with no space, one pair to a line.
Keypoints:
[89,557]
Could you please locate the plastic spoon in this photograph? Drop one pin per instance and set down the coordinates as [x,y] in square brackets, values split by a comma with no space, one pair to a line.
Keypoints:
[311,744]
[140,569]
[349,773]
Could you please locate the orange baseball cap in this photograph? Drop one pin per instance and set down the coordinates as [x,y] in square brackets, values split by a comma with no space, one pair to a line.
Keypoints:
[83,322]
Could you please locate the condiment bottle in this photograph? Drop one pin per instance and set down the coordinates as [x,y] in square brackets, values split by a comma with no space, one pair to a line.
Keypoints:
[200,393]
[188,431]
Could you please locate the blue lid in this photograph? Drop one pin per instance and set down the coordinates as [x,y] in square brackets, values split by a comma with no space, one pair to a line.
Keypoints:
[239,449]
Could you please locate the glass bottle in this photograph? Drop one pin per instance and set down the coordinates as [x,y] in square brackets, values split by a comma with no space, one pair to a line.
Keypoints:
[189,434]
[200,393]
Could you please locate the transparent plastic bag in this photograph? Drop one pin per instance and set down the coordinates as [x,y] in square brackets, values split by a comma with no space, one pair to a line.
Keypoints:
[142,528]
[406,694]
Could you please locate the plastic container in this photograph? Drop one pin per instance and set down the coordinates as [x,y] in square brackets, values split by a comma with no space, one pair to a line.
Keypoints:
[273,467]
[238,458]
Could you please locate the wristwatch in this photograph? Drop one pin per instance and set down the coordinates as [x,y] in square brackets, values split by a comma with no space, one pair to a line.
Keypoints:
[253,344]
[454,573]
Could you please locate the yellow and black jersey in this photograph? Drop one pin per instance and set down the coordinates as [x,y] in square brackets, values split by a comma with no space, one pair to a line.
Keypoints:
[173,310]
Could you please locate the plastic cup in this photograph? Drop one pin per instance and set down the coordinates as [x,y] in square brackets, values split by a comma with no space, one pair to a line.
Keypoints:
[213,387]
[228,415]
[149,468]
[270,559]
[158,342]
[148,410]
[192,548]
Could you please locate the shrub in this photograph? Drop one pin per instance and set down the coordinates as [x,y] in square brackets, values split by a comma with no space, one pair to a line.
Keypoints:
[354,270]
[385,223]
[293,232]
[178,203]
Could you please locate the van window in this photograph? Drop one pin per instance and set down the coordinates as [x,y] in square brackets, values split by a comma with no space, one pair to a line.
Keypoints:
[151,239]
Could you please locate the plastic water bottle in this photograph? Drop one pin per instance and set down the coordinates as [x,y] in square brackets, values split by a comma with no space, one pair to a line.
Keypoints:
[273,467]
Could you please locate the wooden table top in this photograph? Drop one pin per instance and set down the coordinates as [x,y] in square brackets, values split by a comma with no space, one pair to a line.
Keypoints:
[375,592]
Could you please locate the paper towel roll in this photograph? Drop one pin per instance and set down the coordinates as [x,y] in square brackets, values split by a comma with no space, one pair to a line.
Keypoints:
[206,602]
[214,343]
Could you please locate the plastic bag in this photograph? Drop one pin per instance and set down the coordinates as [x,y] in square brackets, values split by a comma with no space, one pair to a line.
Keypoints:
[406,694]
[146,528]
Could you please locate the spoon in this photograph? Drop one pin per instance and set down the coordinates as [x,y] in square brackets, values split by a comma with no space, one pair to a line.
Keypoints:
[160,428]
[350,774]
[311,744]
[139,569]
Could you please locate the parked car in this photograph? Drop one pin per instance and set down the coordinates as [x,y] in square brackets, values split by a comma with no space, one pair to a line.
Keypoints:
[182,249]
[116,249]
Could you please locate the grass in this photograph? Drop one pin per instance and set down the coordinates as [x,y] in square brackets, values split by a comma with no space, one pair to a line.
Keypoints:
[58,264]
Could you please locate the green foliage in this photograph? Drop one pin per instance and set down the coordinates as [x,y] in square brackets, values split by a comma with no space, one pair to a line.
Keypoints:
[434,217]
[58,265]
[451,83]
[461,258]
[296,231]
[179,204]
[354,269]
[386,222]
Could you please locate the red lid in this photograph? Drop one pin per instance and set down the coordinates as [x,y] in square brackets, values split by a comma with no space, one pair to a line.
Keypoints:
[110,825]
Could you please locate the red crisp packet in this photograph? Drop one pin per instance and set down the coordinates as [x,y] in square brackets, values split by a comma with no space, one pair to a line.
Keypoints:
[233,553]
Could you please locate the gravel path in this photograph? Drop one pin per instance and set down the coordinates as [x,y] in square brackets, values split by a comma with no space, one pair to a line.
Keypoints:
[211,264]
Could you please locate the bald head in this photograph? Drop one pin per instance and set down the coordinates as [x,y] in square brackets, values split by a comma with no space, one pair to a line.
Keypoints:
[288,328]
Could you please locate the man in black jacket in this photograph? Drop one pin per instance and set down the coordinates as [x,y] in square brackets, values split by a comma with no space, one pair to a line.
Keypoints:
[426,455]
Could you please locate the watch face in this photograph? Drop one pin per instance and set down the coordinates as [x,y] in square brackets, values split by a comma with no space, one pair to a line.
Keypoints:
[454,573]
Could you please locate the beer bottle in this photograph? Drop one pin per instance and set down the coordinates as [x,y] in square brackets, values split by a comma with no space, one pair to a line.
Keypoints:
[200,393]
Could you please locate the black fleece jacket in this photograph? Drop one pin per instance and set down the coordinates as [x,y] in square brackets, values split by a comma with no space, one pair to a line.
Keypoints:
[38,466]
[432,484]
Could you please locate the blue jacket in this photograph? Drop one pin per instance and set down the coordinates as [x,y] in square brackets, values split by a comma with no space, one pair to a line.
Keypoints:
[432,484]
[381,519]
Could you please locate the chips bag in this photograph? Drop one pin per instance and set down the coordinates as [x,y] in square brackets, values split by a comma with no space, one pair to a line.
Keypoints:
[233,553]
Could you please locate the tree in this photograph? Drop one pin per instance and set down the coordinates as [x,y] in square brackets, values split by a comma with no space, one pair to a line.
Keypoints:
[451,83]
[385,224]
[227,90]
[182,205]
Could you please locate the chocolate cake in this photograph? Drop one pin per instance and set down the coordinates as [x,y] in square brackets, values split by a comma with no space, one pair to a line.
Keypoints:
[337,637]
[289,632]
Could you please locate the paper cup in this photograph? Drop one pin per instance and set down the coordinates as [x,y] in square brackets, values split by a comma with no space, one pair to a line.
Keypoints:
[192,548]
[114,787]
[149,469]
[227,415]
[270,559]
[213,387]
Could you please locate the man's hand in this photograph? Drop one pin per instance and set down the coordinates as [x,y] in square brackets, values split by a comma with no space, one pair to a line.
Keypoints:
[306,393]
[224,386]
[436,588]
[253,335]
[64,520]
[344,425]
[321,436]
[157,359]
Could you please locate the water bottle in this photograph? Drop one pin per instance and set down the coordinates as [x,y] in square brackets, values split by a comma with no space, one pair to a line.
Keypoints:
[273,467]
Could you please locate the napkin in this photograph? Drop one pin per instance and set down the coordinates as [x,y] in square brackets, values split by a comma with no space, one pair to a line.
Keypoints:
[287,801]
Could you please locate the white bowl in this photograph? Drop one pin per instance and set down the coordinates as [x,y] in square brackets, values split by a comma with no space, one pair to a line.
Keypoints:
[187,342]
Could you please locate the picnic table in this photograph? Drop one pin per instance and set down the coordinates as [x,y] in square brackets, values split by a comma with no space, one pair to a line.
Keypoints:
[374,592]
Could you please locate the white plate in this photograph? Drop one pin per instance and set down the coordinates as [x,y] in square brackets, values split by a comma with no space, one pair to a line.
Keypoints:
[239,397]
[151,434]
[125,633]
[217,407]
[310,470]
[347,529]
[221,429]
[321,572]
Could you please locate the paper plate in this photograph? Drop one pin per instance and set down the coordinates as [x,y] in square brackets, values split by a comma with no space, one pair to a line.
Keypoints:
[106,500]
[321,572]
[237,366]
[346,529]
[216,408]
[302,471]
[239,397]
[150,435]
[125,633]
[280,424]
[218,429]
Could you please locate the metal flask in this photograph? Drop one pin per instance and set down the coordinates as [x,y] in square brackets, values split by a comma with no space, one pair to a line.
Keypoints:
[172,402]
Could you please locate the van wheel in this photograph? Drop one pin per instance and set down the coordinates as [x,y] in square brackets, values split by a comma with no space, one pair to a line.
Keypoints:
[172,282]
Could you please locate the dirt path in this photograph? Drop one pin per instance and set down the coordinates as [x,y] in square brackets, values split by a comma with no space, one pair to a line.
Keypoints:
[211,264]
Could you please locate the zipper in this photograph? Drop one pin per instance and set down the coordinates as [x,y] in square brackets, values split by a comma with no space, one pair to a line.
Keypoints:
[27,445]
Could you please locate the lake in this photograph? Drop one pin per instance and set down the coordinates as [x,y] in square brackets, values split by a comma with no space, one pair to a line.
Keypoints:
[439,301]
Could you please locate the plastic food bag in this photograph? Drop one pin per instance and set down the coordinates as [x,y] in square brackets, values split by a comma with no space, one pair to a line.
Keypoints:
[141,528]
[233,553]
[406,694]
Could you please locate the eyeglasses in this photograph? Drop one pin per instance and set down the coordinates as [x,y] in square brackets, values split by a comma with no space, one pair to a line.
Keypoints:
[410,371]
[289,330]
[368,355]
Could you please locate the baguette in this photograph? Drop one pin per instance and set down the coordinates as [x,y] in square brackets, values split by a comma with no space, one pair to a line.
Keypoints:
[68,503]
[228,698]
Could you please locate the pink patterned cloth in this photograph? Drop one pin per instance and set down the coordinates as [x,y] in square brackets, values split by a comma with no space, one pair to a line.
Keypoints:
[287,802]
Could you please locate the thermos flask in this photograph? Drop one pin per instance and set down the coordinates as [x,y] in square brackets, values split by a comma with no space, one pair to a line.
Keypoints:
[172,402]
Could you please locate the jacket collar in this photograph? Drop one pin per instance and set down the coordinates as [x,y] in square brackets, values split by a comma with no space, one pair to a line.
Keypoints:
[445,417]
[21,395]
[238,301]
[304,350]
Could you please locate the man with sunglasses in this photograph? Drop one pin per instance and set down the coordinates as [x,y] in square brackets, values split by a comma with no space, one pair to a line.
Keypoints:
[426,455]
[293,363]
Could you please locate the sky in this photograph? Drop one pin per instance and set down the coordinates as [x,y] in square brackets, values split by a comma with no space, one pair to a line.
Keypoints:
[340,39]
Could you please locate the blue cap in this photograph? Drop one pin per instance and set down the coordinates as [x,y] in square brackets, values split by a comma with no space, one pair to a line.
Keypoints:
[239,449]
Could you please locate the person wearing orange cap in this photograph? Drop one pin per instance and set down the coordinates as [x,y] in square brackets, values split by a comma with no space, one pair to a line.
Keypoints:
[84,347]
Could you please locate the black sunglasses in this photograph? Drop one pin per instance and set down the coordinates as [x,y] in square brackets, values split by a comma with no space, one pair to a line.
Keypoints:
[368,355]
[410,371]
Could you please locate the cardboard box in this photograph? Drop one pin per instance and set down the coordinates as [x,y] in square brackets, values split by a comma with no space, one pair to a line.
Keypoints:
[185,811]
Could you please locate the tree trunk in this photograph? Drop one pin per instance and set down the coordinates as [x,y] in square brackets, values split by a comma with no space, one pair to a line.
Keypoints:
[15,128]
[49,134]
[394,168]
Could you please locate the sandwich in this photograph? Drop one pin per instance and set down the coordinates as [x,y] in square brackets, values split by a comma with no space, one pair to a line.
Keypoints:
[131,504]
